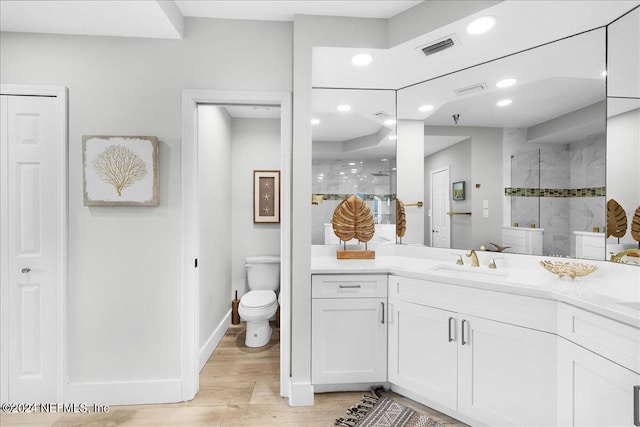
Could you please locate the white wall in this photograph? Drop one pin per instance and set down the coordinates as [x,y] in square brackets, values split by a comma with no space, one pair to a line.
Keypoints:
[255,145]
[215,215]
[410,169]
[125,263]
[458,158]
[486,171]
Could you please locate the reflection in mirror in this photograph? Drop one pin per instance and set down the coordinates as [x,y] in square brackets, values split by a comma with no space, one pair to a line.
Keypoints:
[623,130]
[623,180]
[353,153]
[527,135]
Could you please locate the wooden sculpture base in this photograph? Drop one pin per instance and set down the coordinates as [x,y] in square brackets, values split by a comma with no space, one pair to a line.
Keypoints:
[347,254]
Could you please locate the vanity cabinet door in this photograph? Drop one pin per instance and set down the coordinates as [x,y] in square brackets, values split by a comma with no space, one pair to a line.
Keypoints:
[594,391]
[349,340]
[506,374]
[422,351]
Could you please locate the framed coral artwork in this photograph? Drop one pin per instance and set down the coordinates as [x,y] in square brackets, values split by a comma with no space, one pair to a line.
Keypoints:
[266,196]
[120,170]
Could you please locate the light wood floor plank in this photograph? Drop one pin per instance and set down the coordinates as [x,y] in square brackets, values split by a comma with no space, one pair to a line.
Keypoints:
[239,386]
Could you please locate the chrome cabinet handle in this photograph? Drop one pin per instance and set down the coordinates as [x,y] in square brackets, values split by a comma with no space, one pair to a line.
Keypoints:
[26,270]
[349,286]
[636,405]
[463,342]
[450,329]
[382,313]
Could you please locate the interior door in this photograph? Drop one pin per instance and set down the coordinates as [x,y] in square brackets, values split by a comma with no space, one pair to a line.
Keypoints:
[440,205]
[29,247]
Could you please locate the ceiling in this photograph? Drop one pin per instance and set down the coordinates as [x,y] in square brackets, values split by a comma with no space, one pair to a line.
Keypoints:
[165,18]
[554,80]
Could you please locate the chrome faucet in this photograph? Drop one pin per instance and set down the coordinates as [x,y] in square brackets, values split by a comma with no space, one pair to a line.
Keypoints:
[474,258]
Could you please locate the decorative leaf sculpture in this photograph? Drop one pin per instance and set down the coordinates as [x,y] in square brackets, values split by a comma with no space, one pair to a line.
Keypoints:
[401,219]
[616,219]
[635,226]
[353,219]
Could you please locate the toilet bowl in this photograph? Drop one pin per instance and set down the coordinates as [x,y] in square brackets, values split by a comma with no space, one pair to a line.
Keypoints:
[256,308]
[260,304]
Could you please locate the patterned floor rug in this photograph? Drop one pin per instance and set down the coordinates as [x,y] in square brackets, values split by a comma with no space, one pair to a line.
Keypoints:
[376,410]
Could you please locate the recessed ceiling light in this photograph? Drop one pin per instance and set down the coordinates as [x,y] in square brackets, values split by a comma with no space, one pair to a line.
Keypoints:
[506,82]
[361,59]
[393,137]
[344,108]
[354,170]
[390,122]
[315,121]
[503,102]
[481,25]
[604,73]
[425,108]
[341,173]
[352,163]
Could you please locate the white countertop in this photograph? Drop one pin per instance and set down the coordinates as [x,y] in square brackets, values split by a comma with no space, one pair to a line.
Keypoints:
[612,291]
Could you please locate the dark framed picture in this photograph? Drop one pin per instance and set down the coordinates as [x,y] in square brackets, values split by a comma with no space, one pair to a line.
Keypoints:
[458,190]
[266,196]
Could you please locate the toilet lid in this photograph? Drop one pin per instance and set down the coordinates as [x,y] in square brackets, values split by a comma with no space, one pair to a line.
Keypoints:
[258,299]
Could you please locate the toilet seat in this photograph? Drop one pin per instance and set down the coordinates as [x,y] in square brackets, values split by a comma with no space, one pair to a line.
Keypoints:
[258,300]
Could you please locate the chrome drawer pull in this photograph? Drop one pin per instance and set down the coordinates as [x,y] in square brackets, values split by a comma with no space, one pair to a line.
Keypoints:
[349,286]
[463,342]
[382,313]
[636,405]
[450,337]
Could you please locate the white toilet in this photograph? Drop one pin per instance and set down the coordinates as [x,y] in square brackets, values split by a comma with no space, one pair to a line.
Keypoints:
[260,304]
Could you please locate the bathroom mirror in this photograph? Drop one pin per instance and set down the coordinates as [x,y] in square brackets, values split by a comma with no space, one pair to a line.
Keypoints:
[623,124]
[354,145]
[527,134]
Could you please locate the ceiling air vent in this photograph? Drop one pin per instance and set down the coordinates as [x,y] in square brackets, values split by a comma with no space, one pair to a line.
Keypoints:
[438,45]
[470,89]
[382,115]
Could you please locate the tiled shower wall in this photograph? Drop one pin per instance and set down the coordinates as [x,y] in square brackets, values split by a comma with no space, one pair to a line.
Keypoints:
[336,179]
[571,195]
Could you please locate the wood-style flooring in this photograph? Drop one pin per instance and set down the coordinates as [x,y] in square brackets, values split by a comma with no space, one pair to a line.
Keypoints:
[239,386]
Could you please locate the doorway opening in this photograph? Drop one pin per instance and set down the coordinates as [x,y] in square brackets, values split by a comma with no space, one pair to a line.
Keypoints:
[218,226]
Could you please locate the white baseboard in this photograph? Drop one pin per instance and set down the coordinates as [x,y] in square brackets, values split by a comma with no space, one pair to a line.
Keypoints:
[300,394]
[125,393]
[212,342]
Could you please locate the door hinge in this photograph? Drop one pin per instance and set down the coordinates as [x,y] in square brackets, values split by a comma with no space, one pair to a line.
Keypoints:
[196,263]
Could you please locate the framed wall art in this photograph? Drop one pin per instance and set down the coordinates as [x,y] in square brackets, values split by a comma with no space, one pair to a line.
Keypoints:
[266,196]
[458,190]
[120,170]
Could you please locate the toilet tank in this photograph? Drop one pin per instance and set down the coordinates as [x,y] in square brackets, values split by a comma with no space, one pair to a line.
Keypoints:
[263,272]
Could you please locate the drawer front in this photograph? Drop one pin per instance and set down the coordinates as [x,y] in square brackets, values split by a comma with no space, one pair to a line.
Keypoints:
[529,312]
[349,286]
[611,339]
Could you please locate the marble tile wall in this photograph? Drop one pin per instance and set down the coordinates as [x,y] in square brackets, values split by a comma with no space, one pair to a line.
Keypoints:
[571,195]
[337,179]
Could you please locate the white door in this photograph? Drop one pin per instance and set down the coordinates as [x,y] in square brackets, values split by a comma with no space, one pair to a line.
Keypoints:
[440,206]
[423,353]
[349,340]
[29,212]
[506,374]
[593,391]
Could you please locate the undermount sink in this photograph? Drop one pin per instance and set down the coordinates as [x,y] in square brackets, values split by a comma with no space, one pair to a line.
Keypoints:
[632,304]
[473,273]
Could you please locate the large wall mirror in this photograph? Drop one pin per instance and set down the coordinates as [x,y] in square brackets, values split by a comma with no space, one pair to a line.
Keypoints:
[519,153]
[354,150]
[623,128]
[526,136]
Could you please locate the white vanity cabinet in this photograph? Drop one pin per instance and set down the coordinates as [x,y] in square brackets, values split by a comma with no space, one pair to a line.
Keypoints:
[598,365]
[483,371]
[594,391]
[349,330]
[423,353]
